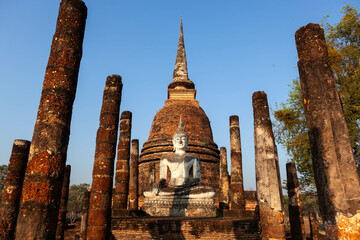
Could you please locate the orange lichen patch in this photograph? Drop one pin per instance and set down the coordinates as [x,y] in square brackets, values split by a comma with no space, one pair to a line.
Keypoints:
[45,163]
[346,228]
[39,191]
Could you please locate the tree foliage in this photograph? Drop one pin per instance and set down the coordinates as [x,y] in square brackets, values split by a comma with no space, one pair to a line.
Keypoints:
[75,200]
[3,173]
[343,40]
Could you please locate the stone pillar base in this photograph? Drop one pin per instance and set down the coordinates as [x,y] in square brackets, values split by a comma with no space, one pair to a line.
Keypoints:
[346,228]
[272,223]
[180,207]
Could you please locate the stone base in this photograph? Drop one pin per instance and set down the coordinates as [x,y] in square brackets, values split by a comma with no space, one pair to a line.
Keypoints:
[346,228]
[175,228]
[117,213]
[179,207]
[239,214]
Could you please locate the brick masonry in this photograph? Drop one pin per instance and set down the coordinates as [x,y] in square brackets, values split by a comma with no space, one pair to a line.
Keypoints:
[268,182]
[63,204]
[180,228]
[122,164]
[237,200]
[9,206]
[103,171]
[336,175]
[41,192]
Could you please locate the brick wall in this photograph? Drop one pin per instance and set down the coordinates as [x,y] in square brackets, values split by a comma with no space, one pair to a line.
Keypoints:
[180,228]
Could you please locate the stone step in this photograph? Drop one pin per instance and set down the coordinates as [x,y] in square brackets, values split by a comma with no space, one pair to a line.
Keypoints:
[184,228]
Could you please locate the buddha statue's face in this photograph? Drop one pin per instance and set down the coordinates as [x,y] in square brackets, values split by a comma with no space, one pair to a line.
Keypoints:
[180,142]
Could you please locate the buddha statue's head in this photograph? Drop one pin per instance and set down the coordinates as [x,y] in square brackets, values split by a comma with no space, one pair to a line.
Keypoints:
[180,138]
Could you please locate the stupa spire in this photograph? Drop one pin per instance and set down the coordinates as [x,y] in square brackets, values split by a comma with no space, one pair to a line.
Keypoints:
[180,76]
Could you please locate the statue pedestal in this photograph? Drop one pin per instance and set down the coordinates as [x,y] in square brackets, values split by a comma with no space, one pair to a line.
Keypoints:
[179,207]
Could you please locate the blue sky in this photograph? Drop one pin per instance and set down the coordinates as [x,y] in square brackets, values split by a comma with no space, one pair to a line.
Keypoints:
[233,48]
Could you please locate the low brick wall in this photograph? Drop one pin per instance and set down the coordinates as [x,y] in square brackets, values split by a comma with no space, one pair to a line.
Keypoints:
[184,228]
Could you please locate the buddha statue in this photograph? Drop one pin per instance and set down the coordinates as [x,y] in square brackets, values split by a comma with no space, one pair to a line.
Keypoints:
[184,185]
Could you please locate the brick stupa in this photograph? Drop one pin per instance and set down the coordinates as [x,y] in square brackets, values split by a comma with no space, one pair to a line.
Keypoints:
[181,102]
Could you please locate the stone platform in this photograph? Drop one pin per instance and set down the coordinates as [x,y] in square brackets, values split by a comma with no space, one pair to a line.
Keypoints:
[179,207]
[168,228]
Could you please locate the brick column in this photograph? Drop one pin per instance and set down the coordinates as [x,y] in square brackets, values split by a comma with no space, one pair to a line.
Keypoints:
[63,204]
[224,180]
[9,206]
[236,185]
[84,215]
[122,164]
[295,206]
[39,205]
[99,219]
[314,226]
[336,176]
[133,184]
[268,183]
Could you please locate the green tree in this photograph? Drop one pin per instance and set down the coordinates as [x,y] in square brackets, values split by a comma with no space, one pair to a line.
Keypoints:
[3,173]
[343,40]
[75,200]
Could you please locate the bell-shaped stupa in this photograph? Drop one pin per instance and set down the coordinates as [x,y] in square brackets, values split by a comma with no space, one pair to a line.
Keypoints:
[181,102]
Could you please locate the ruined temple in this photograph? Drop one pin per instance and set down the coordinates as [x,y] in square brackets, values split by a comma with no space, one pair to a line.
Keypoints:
[181,102]
[177,188]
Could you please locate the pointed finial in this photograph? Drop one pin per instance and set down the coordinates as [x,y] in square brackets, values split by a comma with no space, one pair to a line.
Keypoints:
[180,76]
[181,124]
[180,130]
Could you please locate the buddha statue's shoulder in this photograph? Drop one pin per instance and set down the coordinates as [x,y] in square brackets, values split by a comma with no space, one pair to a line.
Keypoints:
[189,157]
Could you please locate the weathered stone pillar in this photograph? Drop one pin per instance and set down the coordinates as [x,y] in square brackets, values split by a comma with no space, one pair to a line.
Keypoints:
[314,226]
[122,164]
[63,204]
[268,183]
[224,180]
[99,219]
[133,184]
[236,185]
[295,206]
[39,205]
[336,176]
[84,215]
[9,206]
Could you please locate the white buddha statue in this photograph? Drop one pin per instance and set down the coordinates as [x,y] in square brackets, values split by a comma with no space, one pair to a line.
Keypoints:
[185,170]
[184,167]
